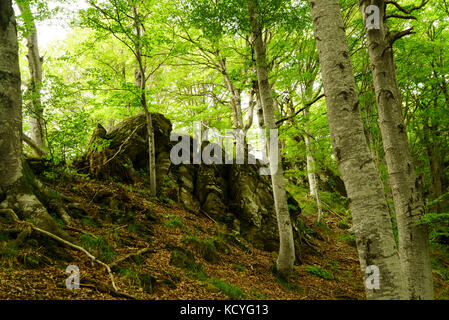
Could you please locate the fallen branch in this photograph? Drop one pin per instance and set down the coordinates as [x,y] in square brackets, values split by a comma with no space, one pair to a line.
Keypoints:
[33,227]
[120,147]
[207,215]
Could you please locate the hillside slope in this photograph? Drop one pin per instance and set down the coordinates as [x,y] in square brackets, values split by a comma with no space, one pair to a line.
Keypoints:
[189,256]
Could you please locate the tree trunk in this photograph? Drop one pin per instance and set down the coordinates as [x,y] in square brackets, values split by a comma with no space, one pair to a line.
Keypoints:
[10,100]
[18,188]
[371,221]
[413,238]
[286,256]
[141,81]
[35,66]
[311,174]
[432,143]
[236,100]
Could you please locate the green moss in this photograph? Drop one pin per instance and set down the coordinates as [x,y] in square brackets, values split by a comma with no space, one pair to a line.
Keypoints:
[334,265]
[204,247]
[287,285]
[319,272]
[233,292]
[9,251]
[99,246]
[174,221]
[89,222]
[258,295]
[138,279]
[139,229]
[183,258]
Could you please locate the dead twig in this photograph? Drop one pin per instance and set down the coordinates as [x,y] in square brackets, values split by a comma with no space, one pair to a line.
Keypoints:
[51,235]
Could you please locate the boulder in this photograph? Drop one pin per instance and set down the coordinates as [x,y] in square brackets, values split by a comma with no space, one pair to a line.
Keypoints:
[235,194]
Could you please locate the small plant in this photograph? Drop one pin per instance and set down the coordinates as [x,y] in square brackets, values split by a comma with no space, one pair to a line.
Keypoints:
[9,251]
[238,267]
[348,238]
[174,221]
[141,280]
[258,295]
[343,225]
[50,175]
[100,247]
[317,271]
[89,222]
[288,285]
[333,265]
[233,292]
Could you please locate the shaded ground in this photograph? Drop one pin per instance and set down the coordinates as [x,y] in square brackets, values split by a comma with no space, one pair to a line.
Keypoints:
[119,220]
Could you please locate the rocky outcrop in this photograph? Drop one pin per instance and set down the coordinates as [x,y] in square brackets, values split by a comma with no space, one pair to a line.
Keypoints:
[233,194]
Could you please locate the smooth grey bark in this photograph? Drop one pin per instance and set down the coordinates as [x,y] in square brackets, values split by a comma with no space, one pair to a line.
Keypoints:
[236,100]
[413,238]
[141,82]
[311,174]
[35,66]
[371,221]
[10,100]
[286,256]
[18,188]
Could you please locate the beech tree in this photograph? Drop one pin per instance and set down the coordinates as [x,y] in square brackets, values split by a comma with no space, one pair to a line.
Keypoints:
[409,207]
[371,221]
[35,85]
[286,256]
[19,190]
[127,21]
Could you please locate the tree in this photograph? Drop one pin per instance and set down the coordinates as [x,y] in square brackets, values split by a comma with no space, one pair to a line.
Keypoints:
[18,188]
[211,47]
[127,21]
[371,221]
[286,256]
[311,174]
[408,203]
[35,66]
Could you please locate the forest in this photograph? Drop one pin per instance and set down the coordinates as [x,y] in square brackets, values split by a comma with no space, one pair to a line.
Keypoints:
[224,150]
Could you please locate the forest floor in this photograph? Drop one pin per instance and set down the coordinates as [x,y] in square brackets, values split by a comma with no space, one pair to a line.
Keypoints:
[189,256]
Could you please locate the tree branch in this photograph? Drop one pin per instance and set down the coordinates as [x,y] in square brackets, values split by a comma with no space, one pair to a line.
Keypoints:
[388,16]
[399,35]
[402,9]
[279,122]
[41,152]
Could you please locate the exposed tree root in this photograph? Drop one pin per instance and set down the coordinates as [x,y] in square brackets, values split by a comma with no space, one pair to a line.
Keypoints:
[81,231]
[28,225]
[103,287]
[130,255]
